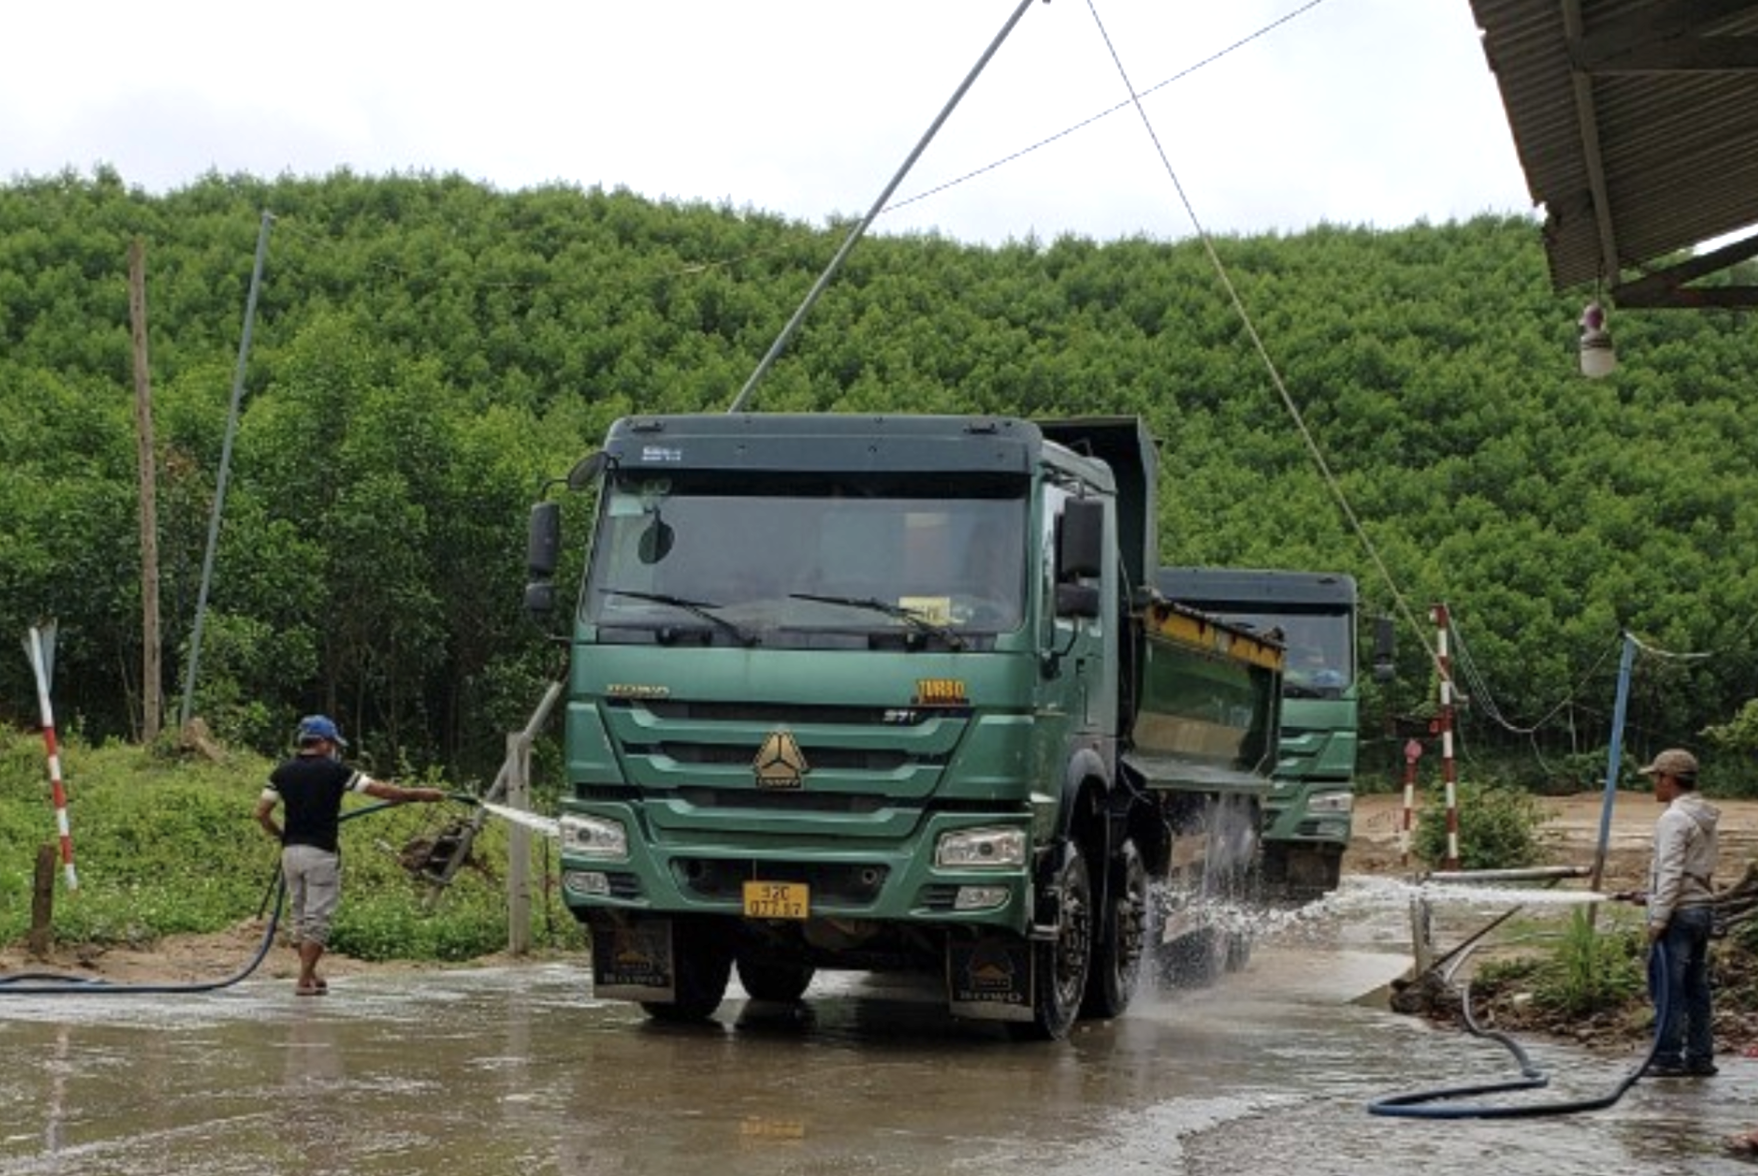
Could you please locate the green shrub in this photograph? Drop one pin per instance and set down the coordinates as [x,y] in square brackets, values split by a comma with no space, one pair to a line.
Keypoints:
[1498,828]
[1591,971]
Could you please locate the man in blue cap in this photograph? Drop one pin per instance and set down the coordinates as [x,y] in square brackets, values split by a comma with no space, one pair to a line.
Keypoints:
[312,785]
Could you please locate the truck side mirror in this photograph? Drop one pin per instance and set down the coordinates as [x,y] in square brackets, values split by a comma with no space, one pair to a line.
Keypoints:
[540,598]
[586,470]
[1385,667]
[543,540]
[1077,600]
[1080,541]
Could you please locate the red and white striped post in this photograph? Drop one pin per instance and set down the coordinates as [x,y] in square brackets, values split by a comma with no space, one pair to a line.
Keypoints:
[1444,726]
[1412,753]
[40,666]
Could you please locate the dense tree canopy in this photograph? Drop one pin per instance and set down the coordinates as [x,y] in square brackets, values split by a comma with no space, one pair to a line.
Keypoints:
[428,350]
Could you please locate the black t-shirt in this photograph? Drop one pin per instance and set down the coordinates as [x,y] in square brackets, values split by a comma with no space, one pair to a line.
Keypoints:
[312,787]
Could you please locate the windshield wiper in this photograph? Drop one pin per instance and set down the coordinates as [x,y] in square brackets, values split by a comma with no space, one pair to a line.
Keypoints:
[700,608]
[908,616]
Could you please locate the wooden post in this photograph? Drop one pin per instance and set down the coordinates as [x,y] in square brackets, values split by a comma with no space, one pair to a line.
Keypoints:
[1421,937]
[150,673]
[518,846]
[43,902]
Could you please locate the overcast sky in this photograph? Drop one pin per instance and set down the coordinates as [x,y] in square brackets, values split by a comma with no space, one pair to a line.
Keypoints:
[1356,112]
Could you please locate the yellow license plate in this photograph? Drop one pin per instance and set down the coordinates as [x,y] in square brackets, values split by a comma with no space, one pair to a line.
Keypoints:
[777,900]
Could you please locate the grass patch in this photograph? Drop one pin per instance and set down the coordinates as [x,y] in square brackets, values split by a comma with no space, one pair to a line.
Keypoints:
[167,845]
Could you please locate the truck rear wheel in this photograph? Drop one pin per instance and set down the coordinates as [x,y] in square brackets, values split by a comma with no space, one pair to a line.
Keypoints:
[1060,967]
[1122,936]
[1193,960]
[701,963]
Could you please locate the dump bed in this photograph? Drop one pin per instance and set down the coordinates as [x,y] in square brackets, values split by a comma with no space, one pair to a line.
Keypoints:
[1210,701]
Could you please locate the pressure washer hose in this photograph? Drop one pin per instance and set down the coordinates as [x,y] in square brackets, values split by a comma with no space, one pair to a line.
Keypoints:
[63,983]
[1423,1104]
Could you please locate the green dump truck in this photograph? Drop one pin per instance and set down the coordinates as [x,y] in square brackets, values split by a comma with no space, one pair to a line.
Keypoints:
[894,693]
[1315,614]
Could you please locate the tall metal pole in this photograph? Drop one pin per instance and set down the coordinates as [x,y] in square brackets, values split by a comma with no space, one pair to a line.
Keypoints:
[207,563]
[830,271]
[1625,662]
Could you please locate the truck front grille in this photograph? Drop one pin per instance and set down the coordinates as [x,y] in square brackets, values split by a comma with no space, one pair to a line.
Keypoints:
[840,883]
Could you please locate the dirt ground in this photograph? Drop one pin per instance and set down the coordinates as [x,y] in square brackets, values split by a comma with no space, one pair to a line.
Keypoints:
[182,959]
[1571,835]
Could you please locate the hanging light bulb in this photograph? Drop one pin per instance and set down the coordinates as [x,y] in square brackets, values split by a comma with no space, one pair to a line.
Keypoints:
[1598,358]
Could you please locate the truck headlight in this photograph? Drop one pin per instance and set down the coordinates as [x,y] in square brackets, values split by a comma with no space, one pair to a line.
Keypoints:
[1331,802]
[979,848]
[596,837]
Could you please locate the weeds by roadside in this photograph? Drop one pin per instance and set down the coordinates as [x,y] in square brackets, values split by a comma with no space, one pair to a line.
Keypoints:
[166,845]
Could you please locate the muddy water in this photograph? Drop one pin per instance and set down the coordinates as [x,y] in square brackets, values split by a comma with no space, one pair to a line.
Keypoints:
[521,1071]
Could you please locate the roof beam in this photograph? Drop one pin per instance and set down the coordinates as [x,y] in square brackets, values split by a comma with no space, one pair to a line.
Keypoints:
[1672,36]
[1666,289]
[1587,121]
[1701,55]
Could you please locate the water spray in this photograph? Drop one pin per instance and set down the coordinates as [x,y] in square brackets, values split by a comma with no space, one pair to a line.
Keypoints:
[548,826]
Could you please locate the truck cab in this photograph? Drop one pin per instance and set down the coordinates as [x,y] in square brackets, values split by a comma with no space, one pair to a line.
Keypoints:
[858,693]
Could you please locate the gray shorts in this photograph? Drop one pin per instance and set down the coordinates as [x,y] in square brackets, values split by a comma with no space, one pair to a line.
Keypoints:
[314,888]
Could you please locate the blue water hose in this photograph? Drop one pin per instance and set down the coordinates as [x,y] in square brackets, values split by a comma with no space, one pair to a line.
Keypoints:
[1438,1104]
[64,983]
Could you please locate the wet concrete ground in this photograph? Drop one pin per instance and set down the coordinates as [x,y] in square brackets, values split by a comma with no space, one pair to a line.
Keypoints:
[521,1071]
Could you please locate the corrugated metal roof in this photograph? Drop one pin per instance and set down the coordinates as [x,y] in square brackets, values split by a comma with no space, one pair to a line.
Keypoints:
[1636,123]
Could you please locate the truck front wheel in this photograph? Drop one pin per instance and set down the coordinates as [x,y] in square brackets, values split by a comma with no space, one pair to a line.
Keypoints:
[701,962]
[1060,966]
[774,980]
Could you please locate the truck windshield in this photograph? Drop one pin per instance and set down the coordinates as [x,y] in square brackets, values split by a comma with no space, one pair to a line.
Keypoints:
[1321,651]
[808,554]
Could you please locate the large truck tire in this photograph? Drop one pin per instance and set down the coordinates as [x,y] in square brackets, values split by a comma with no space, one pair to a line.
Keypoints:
[1122,938]
[1238,953]
[701,967]
[1061,967]
[781,981]
[1193,960]
[1315,872]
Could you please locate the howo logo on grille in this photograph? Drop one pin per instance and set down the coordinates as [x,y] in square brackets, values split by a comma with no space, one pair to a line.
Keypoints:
[779,762]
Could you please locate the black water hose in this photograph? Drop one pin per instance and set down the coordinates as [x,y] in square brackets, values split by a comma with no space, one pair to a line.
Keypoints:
[64,983]
[1434,1104]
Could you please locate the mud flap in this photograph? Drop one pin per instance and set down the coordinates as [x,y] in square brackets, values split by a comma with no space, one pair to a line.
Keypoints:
[634,961]
[990,979]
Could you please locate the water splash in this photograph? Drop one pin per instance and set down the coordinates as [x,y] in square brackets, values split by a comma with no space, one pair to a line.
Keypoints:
[547,826]
[1398,892]
[1360,899]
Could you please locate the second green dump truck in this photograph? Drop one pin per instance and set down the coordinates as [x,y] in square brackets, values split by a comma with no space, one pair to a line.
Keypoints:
[1308,814]
[894,693]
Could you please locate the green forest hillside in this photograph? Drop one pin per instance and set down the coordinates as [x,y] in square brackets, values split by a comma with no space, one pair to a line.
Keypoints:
[428,350]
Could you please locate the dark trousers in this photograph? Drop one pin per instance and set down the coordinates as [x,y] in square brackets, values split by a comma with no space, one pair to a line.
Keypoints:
[1686,1033]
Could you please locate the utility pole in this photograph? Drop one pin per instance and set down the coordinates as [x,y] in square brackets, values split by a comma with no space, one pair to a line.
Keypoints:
[207,564]
[1625,662]
[150,672]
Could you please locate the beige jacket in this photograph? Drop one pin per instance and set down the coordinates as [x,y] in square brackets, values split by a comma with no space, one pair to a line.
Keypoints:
[1684,857]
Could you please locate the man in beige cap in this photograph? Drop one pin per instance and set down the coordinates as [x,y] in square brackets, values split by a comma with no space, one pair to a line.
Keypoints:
[1679,912]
